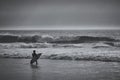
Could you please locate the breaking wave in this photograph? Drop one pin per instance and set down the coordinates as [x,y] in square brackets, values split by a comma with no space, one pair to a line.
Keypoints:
[49,45]
[52,39]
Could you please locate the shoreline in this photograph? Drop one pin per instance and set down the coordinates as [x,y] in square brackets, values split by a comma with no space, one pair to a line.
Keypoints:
[65,59]
[68,58]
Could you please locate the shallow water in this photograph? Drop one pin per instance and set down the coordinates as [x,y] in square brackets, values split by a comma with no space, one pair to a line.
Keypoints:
[20,69]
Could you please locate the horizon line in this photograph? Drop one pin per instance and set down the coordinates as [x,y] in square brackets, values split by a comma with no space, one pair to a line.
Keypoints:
[64,29]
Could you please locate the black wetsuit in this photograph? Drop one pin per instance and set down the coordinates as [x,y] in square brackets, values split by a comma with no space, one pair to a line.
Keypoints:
[34,55]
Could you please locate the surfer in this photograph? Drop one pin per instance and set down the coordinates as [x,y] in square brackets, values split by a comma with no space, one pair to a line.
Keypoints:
[34,55]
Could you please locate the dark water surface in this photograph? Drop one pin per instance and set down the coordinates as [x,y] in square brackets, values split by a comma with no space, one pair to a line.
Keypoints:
[20,69]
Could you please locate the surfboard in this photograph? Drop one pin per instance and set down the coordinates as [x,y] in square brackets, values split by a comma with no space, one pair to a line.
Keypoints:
[34,59]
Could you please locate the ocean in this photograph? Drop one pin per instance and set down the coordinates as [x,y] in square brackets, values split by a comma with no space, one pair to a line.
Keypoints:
[97,45]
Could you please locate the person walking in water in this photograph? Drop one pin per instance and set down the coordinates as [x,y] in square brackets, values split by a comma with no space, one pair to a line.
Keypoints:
[35,57]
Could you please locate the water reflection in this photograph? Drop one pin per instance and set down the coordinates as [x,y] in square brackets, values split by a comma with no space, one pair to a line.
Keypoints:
[35,69]
[34,66]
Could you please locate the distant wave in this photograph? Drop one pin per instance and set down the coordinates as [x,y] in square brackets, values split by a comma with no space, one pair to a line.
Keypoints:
[38,45]
[25,39]
[85,39]
[51,39]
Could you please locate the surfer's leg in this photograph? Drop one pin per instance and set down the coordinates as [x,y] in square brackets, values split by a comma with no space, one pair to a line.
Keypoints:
[31,62]
[36,62]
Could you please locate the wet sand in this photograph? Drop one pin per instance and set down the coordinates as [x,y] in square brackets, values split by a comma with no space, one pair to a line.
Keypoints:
[20,69]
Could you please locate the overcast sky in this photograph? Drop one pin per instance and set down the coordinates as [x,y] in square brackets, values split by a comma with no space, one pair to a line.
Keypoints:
[59,14]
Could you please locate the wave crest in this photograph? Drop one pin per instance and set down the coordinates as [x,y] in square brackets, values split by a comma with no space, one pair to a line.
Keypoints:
[52,39]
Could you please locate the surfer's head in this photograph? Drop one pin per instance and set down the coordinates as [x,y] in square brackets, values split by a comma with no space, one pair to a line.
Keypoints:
[34,51]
